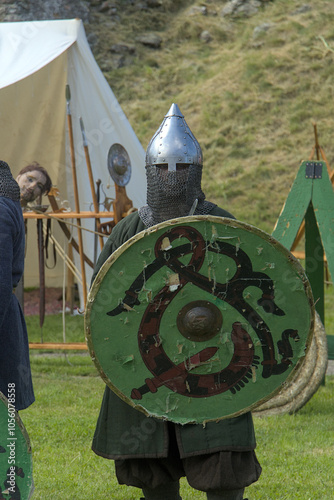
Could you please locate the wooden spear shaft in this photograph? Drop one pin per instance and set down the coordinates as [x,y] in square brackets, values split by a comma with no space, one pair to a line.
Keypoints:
[91,180]
[76,194]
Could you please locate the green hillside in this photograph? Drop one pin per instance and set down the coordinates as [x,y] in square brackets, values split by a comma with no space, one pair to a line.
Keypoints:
[250,97]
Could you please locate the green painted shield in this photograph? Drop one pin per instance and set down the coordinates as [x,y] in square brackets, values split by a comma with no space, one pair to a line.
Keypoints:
[16,479]
[198,319]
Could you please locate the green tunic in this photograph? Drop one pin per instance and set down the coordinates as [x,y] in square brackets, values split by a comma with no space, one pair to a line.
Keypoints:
[123,432]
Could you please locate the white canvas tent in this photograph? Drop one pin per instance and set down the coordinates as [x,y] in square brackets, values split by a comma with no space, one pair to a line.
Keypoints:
[37,60]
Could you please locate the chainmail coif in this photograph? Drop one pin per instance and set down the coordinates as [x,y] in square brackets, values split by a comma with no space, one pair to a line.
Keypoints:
[9,188]
[171,195]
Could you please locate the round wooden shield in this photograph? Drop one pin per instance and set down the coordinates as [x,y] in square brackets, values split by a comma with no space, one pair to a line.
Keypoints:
[199,318]
[119,164]
[16,479]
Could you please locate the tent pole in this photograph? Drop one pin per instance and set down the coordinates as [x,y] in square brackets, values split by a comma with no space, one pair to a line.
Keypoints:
[76,194]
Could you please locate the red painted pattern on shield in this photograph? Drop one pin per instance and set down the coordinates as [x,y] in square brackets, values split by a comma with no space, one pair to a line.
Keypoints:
[179,377]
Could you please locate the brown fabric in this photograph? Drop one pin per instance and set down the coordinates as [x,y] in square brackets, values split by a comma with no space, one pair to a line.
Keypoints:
[211,472]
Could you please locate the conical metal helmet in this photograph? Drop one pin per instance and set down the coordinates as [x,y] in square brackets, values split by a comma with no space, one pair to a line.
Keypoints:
[174,143]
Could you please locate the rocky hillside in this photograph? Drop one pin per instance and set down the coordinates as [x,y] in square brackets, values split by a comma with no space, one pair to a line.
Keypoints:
[251,77]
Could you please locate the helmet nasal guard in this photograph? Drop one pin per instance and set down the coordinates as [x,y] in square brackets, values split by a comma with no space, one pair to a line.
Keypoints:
[173,143]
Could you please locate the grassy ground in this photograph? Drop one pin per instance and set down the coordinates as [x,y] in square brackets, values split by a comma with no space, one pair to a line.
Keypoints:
[251,101]
[295,451]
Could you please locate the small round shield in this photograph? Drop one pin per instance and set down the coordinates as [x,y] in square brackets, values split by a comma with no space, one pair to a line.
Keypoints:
[119,164]
[16,478]
[199,318]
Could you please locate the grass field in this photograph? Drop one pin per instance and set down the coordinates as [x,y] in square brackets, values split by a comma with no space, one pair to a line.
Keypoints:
[251,102]
[295,451]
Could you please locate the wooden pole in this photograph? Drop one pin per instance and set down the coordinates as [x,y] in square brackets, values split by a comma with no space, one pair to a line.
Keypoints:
[122,204]
[91,180]
[97,226]
[66,231]
[82,346]
[76,194]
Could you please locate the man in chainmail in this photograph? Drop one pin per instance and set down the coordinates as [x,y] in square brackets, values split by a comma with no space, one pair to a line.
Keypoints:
[173,175]
[14,353]
[224,462]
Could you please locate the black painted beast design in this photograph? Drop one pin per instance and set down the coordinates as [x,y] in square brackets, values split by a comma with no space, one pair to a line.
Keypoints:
[238,372]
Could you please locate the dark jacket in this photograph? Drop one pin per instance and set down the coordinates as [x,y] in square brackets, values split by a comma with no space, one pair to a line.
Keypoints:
[14,351]
[123,432]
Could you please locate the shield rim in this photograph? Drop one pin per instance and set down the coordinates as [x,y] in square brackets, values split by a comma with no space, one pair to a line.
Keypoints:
[25,435]
[19,422]
[184,220]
